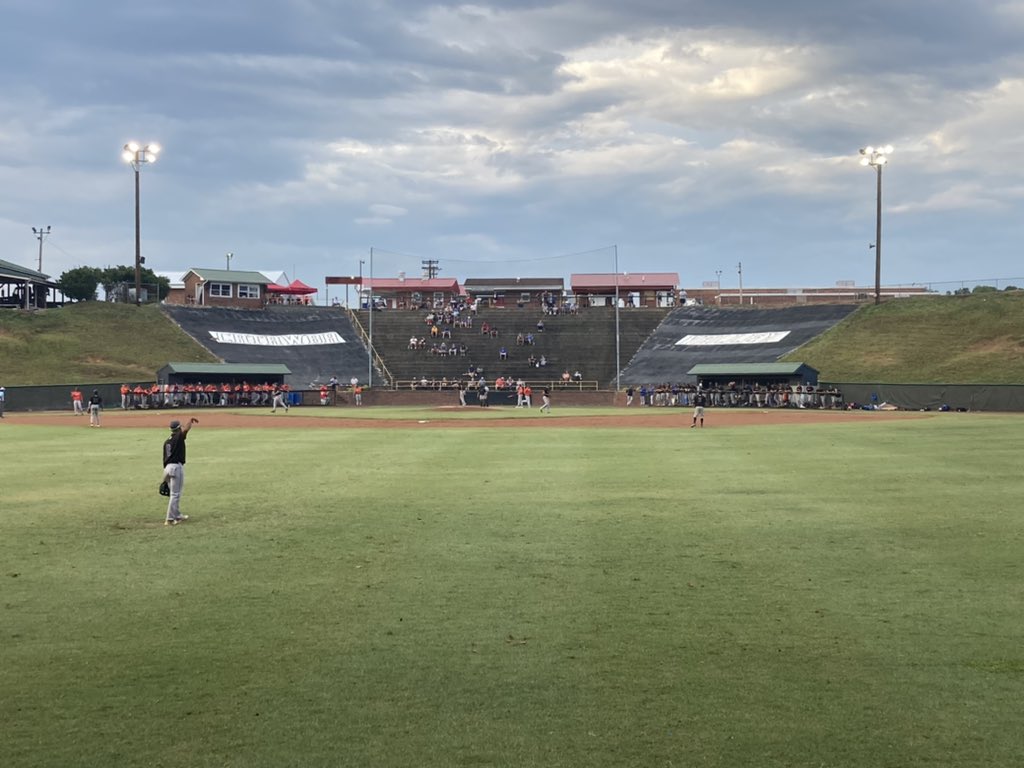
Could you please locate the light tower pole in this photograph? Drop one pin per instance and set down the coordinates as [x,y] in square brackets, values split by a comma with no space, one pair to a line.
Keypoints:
[876,157]
[136,155]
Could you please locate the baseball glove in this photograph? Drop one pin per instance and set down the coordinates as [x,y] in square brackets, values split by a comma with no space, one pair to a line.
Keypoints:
[165,489]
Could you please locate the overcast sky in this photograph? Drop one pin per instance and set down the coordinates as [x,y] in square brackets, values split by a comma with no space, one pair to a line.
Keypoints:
[685,136]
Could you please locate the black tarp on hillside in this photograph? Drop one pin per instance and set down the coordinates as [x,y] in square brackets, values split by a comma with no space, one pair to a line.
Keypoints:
[256,328]
[661,359]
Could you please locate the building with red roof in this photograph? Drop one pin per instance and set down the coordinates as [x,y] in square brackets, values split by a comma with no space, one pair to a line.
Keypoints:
[637,289]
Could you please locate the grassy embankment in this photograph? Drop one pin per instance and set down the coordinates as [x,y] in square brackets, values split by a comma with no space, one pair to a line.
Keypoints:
[947,339]
[977,339]
[93,342]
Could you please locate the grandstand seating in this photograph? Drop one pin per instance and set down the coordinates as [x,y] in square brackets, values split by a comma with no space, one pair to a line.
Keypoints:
[309,364]
[583,342]
[662,359]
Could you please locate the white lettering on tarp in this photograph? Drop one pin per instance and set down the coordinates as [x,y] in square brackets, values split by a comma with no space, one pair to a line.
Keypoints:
[725,339]
[284,340]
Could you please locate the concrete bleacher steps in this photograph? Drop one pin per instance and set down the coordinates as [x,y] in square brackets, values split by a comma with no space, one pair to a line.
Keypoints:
[758,336]
[309,363]
[583,342]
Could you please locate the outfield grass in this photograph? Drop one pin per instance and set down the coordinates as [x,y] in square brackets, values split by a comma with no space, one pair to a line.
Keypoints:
[767,596]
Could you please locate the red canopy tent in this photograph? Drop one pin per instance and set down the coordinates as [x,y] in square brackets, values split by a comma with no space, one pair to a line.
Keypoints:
[294,288]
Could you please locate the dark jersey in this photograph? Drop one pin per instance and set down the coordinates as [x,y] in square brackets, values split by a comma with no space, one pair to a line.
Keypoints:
[174,449]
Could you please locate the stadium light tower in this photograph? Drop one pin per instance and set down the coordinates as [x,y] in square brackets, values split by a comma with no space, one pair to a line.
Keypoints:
[136,155]
[876,157]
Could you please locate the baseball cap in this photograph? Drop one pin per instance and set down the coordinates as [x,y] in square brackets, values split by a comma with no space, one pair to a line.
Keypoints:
[175,424]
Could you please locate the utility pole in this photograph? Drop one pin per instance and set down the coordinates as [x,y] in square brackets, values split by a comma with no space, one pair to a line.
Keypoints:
[431,268]
[40,236]
[739,269]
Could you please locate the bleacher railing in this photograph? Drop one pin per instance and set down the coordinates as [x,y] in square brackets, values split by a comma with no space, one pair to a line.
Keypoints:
[378,361]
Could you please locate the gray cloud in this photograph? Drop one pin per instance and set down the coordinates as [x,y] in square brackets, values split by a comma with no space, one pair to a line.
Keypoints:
[691,133]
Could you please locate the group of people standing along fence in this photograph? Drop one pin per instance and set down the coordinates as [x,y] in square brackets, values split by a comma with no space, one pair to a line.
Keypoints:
[199,394]
[734,395]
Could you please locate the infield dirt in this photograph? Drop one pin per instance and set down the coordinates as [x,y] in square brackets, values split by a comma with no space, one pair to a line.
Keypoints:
[307,418]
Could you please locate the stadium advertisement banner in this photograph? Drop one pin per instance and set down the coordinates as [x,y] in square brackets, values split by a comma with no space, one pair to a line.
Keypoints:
[731,339]
[284,340]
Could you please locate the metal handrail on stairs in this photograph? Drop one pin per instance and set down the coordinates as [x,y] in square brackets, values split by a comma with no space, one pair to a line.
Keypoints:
[378,361]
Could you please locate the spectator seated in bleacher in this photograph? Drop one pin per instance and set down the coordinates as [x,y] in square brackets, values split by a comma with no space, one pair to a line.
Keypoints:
[577,376]
[529,339]
[566,376]
[413,342]
[540,326]
[503,354]
[520,340]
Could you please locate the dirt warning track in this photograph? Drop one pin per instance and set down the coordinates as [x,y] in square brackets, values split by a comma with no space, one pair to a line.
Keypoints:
[453,418]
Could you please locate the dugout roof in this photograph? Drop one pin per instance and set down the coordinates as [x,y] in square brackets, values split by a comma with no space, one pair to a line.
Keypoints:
[755,371]
[221,373]
[229,368]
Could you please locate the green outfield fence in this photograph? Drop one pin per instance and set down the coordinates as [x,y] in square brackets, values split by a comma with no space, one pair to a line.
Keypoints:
[917,397]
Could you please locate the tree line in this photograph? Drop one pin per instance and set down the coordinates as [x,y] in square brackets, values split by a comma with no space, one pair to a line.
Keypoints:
[81,283]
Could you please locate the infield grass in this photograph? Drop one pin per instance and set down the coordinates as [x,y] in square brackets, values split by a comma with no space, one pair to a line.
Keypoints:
[807,595]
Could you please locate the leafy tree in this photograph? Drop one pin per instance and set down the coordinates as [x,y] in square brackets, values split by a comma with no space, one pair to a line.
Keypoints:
[985,289]
[80,283]
[962,292]
[1011,288]
[111,277]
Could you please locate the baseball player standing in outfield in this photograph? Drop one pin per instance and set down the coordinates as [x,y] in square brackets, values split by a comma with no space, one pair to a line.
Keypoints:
[278,401]
[76,401]
[174,468]
[698,409]
[95,406]
[545,397]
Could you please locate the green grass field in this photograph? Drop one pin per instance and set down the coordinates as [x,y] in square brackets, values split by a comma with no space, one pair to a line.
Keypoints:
[92,342]
[800,595]
[977,339]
